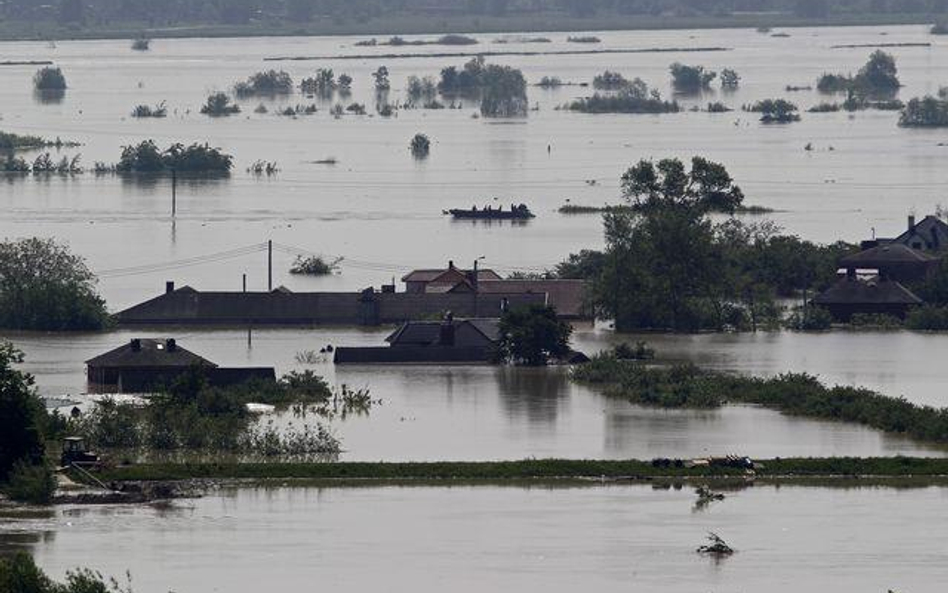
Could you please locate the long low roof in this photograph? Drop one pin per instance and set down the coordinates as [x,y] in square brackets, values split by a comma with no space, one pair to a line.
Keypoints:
[852,291]
[888,254]
[151,352]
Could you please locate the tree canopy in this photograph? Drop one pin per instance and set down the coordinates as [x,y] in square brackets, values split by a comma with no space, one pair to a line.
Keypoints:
[532,336]
[21,413]
[44,286]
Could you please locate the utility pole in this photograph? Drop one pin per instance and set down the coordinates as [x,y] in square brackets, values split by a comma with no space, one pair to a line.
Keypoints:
[245,282]
[270,266]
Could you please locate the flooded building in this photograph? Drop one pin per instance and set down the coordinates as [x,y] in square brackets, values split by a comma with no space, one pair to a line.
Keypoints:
[929,234]
[852,296]
[146,364]
[448,341]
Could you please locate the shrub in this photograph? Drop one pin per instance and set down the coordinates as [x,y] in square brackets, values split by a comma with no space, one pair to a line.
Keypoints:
[641,351]
[420,146]
[875,321]
[158,110]
[718,107]
[635,97]
[690,79]
[730,79]
[925,112]
[269,82]
[610,81]
[777,111]
[550,82]
[30,483]
[809,318]
[825,108]
[583,39]
[313,266]
[834,83]
[49,79]
[146,157]
[928,317]
[219,105]
[323,84]
[141,44]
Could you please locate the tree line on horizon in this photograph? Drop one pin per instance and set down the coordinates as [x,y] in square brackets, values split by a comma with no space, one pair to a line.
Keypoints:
[241,12]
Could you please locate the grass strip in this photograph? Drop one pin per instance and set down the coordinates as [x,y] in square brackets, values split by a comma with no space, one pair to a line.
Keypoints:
[527,469]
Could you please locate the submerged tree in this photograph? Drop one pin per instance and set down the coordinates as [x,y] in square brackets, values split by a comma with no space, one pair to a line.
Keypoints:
[219,105]
[49,78]
[533,336]
[730,79]
[420,146]
[690,79]
[382,83]
[269,82]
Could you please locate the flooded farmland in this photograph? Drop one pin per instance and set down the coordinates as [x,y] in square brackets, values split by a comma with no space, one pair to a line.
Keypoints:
[348,187]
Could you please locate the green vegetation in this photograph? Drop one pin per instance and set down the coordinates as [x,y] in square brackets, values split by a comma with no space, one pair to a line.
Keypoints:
[19,574]
[421,89]
[718,107]
[797,394]
[667,266]
[11,142]
[24,428]
[877,78]
[690,79]
[146,157]
[535,469]
[610,81]
[219,105]
[925,112]
[191,416]
[550,82]
[141,44]
[641,351]
[532,336]
[583,39]
[382,84]
[396,41]
[266,83]
[730,79]
[775,111]
[809,318]
[502,90]
[43,286]
[159,110]
[420,146]
[49,79]
[635,97]
[928,318]
[323,84]
[314,266]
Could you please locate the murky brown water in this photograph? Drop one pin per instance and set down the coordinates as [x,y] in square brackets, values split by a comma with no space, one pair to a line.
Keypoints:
[382,210]
[489,538]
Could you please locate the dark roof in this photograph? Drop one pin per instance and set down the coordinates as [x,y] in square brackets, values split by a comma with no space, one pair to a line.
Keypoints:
[924,227]
[566,296]
[888,254]
[852,291]
[151,353]
[429,332]
[431,275]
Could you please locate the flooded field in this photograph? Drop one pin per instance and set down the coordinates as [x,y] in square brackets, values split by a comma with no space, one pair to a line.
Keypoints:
[471,413]
[607,538]
[381,209]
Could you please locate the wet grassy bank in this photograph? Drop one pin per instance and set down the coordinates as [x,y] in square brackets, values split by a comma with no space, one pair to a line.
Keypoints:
[530,469]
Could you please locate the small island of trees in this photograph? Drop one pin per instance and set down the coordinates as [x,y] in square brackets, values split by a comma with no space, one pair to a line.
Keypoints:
[691,79]
[633,96]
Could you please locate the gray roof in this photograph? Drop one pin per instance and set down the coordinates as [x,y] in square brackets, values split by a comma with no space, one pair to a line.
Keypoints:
[152,353]
[888,254]
[429,332]
[852,291]
[431,274]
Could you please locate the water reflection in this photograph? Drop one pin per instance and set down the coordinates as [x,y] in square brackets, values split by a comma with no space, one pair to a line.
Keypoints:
[535,394]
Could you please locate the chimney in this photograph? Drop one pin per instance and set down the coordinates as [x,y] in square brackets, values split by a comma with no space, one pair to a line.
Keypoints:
[911,223]
[450,264]
[446,337]
[169,286]
[136,345]
[171,345]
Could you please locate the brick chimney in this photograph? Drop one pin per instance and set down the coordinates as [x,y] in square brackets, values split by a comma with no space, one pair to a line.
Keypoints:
[911,223]
[169,286]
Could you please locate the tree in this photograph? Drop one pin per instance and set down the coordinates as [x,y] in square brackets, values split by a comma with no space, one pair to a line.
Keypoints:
[420,145]
[21,414]
[532,336]
[690,79]
[879,75]
[730,79]
[666,184]
[382,83]
[43,286]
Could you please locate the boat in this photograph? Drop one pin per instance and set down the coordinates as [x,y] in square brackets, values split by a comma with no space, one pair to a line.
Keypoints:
[520,212]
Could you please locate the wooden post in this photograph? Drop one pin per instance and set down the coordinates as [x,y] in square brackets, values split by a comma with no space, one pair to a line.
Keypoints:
[245,282]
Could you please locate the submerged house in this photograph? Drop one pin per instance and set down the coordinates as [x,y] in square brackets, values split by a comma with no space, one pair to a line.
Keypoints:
[852,296]
[891,261]
[449,341]
[144,365]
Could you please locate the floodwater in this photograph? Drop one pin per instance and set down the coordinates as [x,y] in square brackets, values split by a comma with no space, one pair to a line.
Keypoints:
[505,538]
[471,412]
[381,209]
